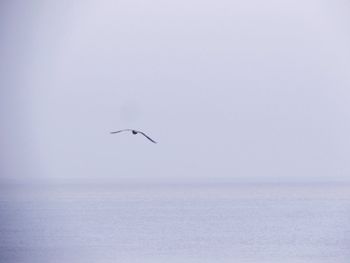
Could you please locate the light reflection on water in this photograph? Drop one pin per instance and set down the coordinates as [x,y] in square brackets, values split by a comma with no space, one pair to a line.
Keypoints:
[175,223]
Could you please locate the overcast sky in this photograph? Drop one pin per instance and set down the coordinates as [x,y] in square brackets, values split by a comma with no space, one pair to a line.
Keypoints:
[230,89]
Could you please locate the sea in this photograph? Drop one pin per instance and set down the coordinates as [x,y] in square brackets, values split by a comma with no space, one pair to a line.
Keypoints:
[175,222]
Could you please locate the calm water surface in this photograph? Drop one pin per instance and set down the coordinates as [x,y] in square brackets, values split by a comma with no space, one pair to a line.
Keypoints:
[175,223]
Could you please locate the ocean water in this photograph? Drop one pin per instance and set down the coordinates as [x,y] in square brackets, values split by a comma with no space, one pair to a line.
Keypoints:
[175,223]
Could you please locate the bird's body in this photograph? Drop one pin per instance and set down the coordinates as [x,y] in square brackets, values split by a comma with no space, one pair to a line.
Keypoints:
[134,132]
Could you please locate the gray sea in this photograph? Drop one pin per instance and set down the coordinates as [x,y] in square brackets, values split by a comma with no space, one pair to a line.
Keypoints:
[175,223]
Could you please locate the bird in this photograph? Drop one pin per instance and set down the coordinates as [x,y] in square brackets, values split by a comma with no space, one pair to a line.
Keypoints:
[135,132]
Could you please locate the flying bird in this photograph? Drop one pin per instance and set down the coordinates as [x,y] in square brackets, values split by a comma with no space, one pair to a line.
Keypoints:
[135,132]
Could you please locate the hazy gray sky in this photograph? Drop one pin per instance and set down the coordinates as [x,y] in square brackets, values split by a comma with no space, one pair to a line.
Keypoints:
[230,89]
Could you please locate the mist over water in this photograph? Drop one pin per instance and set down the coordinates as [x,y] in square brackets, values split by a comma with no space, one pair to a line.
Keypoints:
[248,100]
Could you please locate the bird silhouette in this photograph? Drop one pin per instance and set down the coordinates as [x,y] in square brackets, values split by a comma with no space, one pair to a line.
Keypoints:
[135,132]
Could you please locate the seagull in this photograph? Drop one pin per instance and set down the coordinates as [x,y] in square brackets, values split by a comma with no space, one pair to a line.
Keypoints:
[135,132]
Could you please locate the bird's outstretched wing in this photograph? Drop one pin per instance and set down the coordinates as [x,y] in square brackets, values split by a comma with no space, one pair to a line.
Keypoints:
[147,136]
[120,131]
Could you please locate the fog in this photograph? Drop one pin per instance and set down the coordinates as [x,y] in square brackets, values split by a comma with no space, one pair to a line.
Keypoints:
[231,90]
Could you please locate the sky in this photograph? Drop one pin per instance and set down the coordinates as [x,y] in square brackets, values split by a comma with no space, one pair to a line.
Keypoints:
[231,90]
